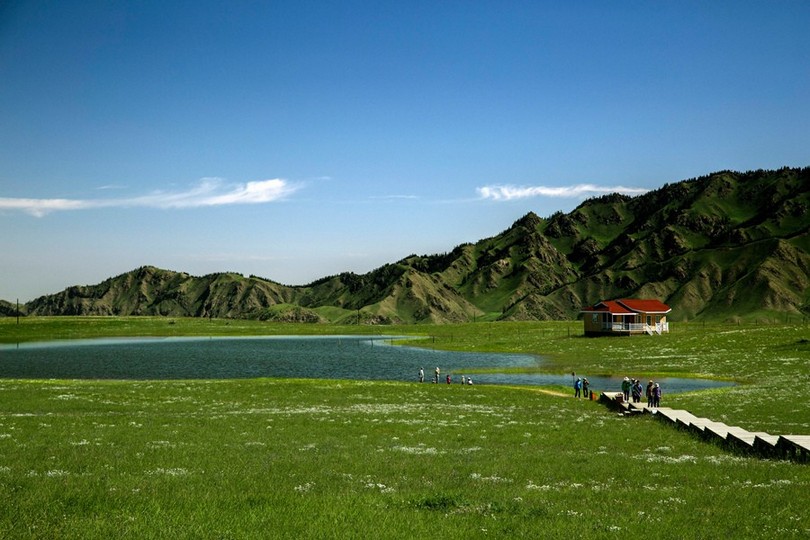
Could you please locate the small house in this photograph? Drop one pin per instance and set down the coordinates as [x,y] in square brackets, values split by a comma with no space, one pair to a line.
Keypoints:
[625,317]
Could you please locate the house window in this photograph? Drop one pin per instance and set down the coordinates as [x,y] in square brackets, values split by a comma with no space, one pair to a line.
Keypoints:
[595,318]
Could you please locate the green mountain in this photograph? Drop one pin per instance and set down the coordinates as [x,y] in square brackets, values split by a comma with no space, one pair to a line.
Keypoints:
[724,246]
[7,309]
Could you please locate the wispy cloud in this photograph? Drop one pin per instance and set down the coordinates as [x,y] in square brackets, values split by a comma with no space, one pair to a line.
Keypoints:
[509,192]
[208,192]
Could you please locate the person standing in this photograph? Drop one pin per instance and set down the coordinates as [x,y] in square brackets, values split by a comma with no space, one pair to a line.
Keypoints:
[421,375]
[656,395]
[436,375]
[636,388]
[578,388]
[626,389]
[650,386]
[586,392]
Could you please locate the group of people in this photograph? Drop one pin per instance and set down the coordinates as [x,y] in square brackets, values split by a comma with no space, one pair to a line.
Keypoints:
[630,387]
[633,387]
[437,372]
[582,388]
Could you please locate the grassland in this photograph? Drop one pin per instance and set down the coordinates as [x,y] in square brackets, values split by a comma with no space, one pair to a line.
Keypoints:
[355,459]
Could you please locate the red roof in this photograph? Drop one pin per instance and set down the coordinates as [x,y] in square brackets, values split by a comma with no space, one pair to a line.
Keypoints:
[628,306]
[645,306]
[610,306]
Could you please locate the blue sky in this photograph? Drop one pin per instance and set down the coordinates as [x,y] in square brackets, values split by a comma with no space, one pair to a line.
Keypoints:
[296,140]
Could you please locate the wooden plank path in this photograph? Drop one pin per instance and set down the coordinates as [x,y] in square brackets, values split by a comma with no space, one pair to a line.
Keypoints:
[794,447]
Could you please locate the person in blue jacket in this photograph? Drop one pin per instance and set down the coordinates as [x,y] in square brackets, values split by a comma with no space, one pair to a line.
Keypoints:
[578,387]
[637,390]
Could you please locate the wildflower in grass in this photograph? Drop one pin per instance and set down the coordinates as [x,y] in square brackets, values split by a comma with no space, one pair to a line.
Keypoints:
[160,444]
[177,471]
[668,459]
[770,484]
[417,450]
[493,478]
[56,473]
[382,487]
[304,488]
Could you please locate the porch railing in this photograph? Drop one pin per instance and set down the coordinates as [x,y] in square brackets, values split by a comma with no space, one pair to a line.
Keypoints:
[636,327]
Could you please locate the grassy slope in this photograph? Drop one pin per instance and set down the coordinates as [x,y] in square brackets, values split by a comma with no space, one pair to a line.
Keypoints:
[319,459]
[771,360]
[316,459]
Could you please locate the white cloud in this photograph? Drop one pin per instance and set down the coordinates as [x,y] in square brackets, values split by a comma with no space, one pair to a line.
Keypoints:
[508,192]
[40,207]
[209,192]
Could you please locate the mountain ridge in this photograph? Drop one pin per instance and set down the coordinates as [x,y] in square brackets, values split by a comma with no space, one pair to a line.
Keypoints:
[728,245]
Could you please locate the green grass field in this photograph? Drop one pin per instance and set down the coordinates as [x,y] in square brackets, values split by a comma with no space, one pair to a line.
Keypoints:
[355,459]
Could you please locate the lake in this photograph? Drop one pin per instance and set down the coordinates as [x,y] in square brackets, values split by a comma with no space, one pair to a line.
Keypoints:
[327,357]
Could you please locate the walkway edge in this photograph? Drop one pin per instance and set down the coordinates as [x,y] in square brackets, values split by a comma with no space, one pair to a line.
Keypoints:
[759,444]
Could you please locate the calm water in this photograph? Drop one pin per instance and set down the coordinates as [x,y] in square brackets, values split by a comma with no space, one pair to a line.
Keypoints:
[332,357]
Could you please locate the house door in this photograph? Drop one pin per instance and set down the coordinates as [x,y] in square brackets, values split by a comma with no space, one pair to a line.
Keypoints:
[649,320]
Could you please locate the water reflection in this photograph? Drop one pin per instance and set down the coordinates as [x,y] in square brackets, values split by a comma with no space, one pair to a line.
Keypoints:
[330,357]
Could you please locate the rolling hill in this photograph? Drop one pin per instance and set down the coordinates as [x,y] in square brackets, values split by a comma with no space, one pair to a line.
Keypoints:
[726,246]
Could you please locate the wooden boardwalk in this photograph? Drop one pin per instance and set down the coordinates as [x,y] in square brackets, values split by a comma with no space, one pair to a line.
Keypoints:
[793,447]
